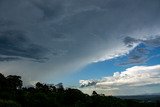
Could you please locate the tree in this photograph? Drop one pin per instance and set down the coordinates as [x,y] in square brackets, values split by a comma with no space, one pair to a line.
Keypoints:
[60,87]
[39,85]
[94,93]
[42,87]
[14,82]
[52,88]
[2,82]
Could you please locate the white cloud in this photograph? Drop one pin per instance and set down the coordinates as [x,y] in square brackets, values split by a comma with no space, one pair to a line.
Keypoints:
[134,76]
[86,83]
[114,53]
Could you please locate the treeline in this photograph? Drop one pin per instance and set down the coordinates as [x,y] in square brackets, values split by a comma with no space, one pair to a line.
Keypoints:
[12,94]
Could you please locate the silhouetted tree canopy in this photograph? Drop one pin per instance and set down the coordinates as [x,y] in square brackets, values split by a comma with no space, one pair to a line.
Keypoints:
[10,82]
[94,93]
[2,82]
[14,81]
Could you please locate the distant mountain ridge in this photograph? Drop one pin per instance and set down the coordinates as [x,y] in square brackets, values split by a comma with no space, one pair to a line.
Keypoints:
[148,97]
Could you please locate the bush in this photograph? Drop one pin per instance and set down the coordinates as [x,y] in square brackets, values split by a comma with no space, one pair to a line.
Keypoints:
[9,103]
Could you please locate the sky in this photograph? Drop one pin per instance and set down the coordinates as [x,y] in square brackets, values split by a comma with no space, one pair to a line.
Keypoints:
[111,46]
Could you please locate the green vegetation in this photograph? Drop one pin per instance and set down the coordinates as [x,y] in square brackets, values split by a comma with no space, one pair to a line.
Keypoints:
[13,95]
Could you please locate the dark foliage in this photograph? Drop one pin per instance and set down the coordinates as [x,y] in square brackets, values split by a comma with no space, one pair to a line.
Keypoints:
[42,95]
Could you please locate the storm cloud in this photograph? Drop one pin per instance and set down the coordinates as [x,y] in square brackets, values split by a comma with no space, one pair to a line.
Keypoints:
[140,54]
[15,45]
[69,34]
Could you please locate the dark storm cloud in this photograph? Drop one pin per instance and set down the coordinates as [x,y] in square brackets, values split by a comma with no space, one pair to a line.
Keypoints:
[14,45]
[72,33]
[5,23]
[8,58]
[137,56]
[49,8]
[140,54]
[155,42]
[151,41]
[129,41]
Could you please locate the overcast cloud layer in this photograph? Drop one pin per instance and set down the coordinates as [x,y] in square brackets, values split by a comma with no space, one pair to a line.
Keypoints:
[41,39]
